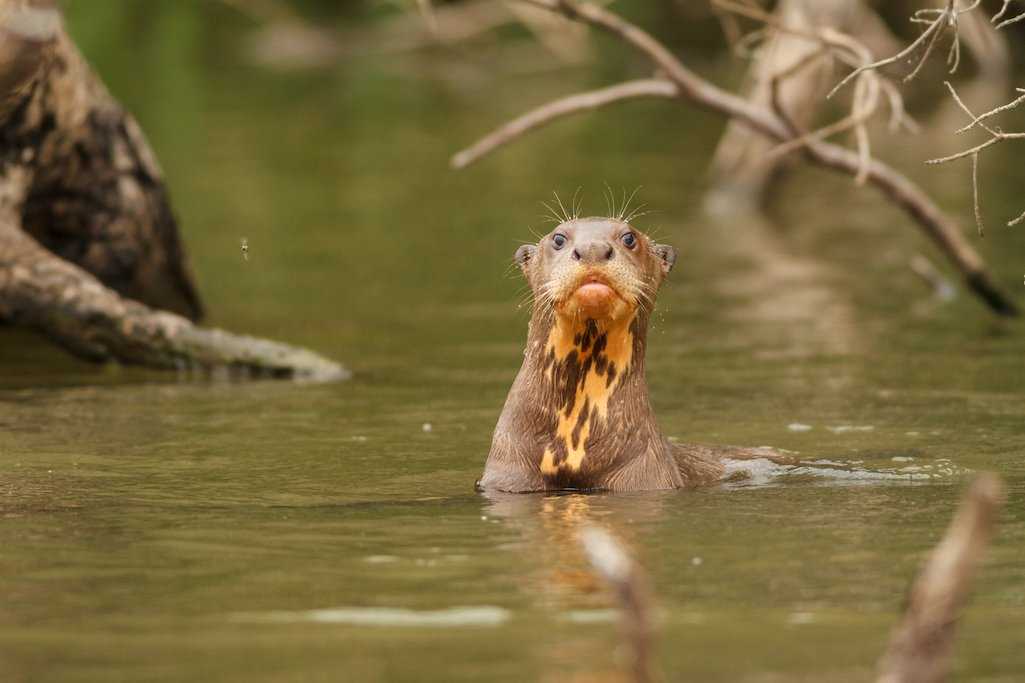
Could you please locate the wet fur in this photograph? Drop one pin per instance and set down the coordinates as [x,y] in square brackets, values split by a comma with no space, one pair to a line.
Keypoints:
[578,414]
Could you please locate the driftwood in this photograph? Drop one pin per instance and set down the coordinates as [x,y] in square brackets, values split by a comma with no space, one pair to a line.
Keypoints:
[678,82]
[89,248]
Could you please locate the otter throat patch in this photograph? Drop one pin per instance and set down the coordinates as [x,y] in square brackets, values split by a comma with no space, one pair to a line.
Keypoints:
[583,366]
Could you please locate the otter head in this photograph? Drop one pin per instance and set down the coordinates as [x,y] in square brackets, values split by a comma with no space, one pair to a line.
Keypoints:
[599,269]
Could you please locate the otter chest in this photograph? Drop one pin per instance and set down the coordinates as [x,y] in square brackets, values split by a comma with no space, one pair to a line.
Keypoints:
[582,371]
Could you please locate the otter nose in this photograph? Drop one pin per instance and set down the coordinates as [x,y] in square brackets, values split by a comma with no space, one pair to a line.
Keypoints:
[593,252]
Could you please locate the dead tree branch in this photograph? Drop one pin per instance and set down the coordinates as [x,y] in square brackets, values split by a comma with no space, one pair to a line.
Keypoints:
[694,90]
[921,644]
[596,99]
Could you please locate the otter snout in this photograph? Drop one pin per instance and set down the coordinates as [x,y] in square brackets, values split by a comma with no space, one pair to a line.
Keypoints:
[593,252]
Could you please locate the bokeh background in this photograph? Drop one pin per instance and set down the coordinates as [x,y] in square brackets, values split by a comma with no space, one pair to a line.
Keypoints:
[160,529]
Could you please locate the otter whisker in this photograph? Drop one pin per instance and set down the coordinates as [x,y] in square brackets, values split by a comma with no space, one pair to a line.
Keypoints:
[575,205]
[655,233]
[512,272]
[610,200]
[553,215]
[545,295]
[637,213]
[565,213]
[525,291]
[626,203]
[526,301]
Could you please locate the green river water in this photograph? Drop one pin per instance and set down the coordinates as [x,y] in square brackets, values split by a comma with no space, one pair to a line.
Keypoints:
[155,528]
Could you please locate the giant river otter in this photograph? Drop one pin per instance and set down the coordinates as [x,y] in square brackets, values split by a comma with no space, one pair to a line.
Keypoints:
[578,415]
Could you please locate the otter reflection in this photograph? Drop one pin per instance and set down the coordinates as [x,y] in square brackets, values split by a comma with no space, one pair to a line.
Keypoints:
[549,526]
[559,580]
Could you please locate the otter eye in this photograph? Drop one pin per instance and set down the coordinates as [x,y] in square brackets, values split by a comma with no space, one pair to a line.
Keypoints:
[630,240]
[559,240]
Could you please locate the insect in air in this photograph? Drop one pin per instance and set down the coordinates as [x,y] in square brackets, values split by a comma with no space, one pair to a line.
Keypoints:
[245,249]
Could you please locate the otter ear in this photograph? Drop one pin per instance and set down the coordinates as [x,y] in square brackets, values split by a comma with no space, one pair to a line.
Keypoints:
[524,254]
[666,256]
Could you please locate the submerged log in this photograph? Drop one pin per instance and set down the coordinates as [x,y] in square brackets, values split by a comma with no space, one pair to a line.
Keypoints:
[90,253]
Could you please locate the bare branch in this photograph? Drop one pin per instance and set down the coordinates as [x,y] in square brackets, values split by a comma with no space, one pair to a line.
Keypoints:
[1003,10]
[935,28]
[1013,20]
[976,120]
[588,101]
[937,21]
[990,114]
[996,136]
[975,194]
[966,153]
[921,644]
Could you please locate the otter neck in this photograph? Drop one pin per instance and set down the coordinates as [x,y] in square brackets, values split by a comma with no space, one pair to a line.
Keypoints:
[587,371]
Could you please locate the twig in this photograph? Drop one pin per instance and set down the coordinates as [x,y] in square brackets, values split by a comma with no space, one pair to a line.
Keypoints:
[975,195]
[977,120]
[612,561]
[934,28]
[968,152]
[1003,10]
[920,645]
[1012,20]
[938,21]
[996,136]
[652,87]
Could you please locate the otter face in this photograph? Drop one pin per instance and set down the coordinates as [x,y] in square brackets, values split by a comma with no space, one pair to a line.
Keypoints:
[600,269]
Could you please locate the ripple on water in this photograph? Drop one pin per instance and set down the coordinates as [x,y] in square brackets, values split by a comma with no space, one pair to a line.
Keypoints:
[763,472]
[591,616]
[386,616]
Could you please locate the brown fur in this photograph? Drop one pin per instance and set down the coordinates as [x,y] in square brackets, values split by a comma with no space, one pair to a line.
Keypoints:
[578,414]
